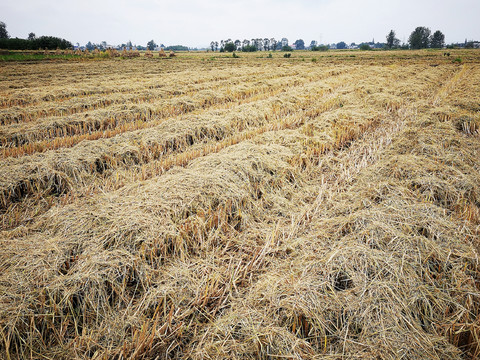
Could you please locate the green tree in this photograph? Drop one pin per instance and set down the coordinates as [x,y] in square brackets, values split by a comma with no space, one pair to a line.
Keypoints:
[90,46]
[392,41]
[266,44]
[341,45]
[3,31]
[229,47]
[437,41]
[287,48]
[299,44]
[420,38]
[151,45]
[365,47]
[32,36]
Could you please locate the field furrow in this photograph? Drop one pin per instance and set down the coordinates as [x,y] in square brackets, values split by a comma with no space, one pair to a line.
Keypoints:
[143,93]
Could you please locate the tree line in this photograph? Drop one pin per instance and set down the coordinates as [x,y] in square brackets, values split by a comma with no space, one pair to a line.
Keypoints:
[32,42]
[420,38]
[248,45]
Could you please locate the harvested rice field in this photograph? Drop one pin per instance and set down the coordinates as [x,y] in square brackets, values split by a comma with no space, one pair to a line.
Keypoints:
[323,206]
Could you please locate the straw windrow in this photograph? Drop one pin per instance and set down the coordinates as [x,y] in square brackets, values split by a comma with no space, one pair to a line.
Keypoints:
[338,218]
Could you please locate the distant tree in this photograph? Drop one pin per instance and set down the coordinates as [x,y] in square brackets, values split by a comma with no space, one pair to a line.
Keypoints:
[287,48]
[420,38]
[3,31]
[273,44]
[266,44]
[151,45]
[341,45]
[229,47]
[31,36]
[299,44]
[392,41]
[313,44]
[238,44]
[437,40]
[90,46]
[212,45]
[50,42]
[245,43]
[259,44]
[365,47]
[284,42]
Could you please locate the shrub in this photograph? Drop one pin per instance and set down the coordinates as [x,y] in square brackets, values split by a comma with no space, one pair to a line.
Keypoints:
[249,48]
[319,48]
[287,48]
[287,55]
[365,47]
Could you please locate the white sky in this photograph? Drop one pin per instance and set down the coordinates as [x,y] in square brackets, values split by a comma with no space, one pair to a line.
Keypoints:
[195,23]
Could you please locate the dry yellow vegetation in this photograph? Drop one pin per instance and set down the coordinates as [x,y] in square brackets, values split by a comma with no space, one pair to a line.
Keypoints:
[206,207]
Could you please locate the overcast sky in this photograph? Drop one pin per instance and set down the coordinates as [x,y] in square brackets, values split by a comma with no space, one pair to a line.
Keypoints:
[195,23]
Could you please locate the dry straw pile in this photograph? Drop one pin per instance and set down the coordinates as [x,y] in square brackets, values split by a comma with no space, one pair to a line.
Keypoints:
[332,213]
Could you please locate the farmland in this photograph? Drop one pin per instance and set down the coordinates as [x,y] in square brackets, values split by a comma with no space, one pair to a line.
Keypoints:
[206,207]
